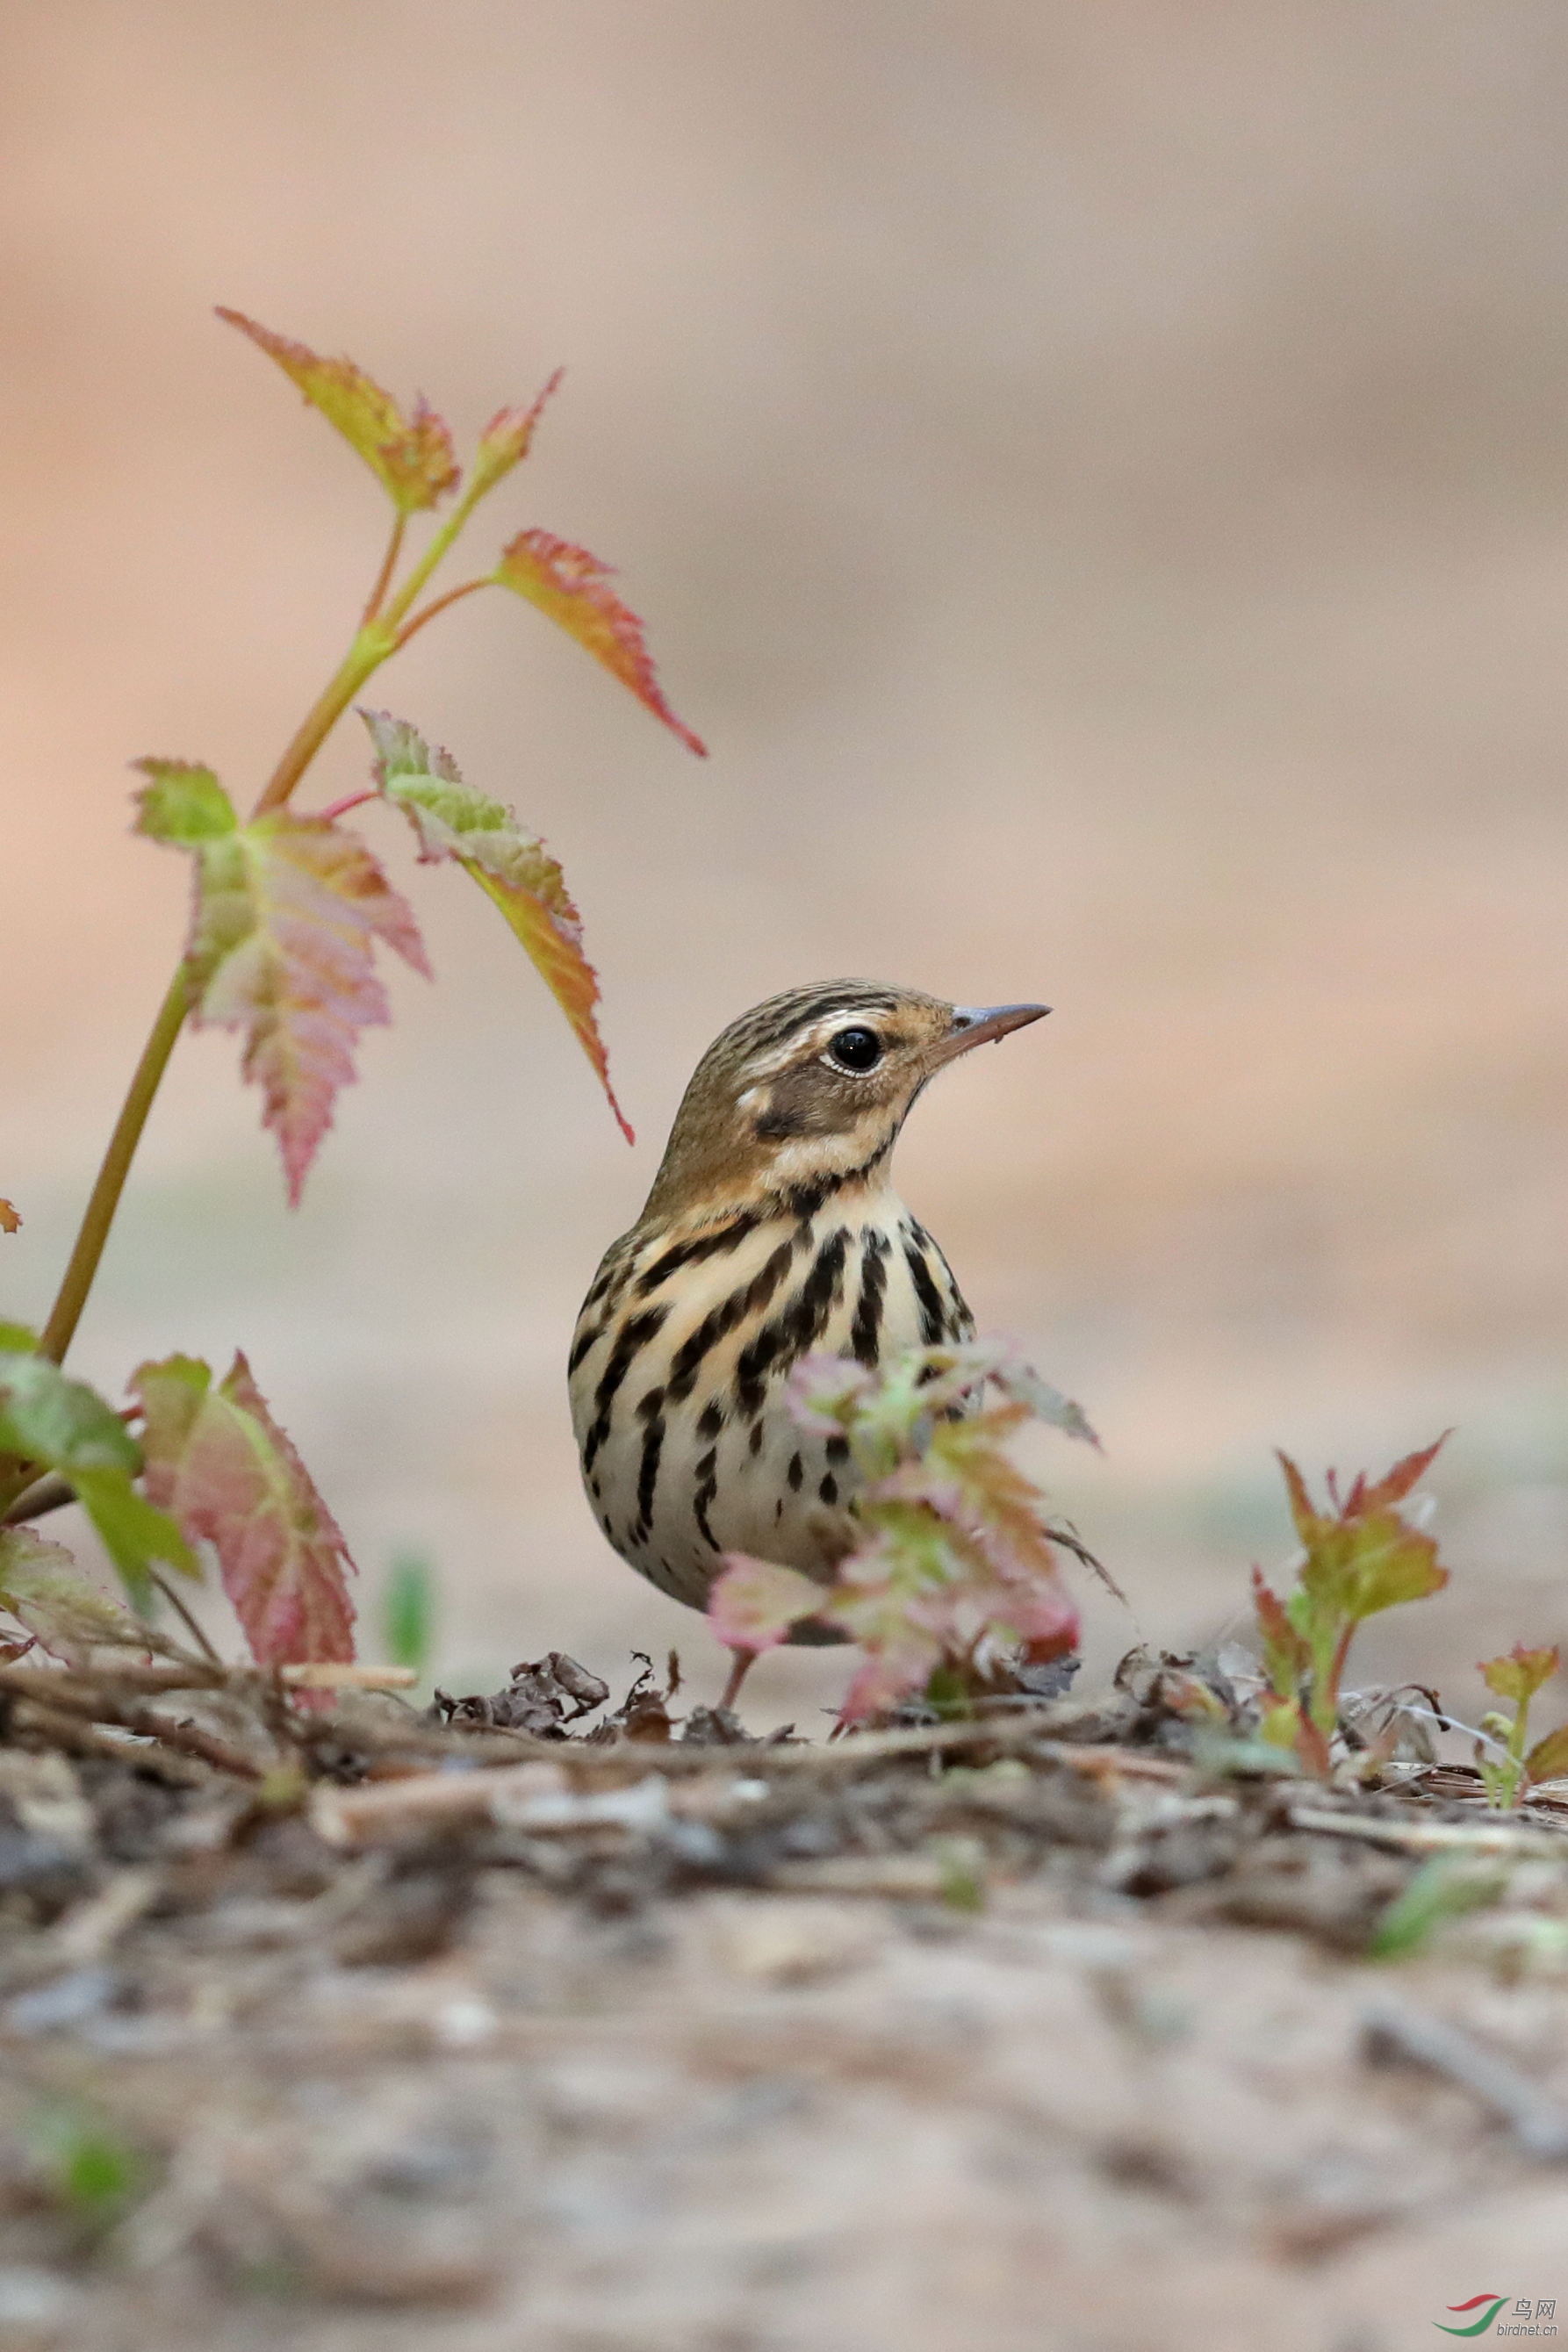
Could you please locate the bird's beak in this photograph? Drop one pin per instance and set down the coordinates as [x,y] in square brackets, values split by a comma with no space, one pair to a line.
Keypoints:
[980,1025]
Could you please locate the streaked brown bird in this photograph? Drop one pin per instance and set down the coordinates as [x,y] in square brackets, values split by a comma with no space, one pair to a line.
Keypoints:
[773,1230]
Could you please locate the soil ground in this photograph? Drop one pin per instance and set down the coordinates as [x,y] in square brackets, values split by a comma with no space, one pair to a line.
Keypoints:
[1047,2035]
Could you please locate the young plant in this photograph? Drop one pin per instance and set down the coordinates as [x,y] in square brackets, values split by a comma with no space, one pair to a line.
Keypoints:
[1362,1554]
[952,1567]
[289,909]
[1517,1677]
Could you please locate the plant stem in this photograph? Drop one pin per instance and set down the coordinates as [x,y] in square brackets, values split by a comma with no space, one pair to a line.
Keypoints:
[342,808]
[440,605]
[370,648]
[66,1312]
[383,577]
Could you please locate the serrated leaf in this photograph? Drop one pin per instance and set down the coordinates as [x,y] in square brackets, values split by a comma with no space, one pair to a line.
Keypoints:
[411,456]
[754,1602]
[42,1586]
[1285,1656]
[571,587]
[1522,1673]
[1548,1760]
[288,910]
[505,442]
[221,1464]
[62,1425]
[10,1223]
[1396,1484]
[452,820]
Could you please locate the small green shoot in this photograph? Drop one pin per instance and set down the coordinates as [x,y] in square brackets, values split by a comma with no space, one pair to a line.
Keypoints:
[90,2169]
[1517,1677]
[1444,1888]
[1362,1554]
[408,1612]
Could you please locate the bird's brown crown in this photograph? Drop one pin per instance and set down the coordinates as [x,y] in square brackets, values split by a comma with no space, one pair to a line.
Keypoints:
[811,1086]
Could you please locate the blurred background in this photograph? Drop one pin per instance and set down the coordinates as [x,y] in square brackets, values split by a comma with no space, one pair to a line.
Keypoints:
[1097,478]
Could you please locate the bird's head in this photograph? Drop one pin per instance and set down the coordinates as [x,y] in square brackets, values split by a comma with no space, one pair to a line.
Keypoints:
[811,1088]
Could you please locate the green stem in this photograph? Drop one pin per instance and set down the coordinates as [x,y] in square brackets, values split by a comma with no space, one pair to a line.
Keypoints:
[66,1312]
[370,648]
[434,554]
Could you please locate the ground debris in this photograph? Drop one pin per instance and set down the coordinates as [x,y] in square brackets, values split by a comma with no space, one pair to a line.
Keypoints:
[354,2005]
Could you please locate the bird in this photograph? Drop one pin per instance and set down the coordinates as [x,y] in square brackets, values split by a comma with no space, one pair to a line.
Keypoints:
[773,1232]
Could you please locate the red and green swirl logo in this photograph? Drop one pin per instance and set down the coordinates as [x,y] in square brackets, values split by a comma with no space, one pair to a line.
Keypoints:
[1493,2303]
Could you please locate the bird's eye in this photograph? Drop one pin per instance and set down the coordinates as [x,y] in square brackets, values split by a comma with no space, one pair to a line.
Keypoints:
[856,1049]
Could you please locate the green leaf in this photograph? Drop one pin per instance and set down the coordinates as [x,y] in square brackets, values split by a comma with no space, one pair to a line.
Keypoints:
[1522,1673]
[17,1339]
[451,820]
[410,456]
[288,910]
[62,1425]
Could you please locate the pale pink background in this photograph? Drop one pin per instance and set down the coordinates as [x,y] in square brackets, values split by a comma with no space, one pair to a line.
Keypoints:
[1099,478]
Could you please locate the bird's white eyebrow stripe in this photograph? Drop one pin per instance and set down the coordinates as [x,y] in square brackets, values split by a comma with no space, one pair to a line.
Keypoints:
[811,1036]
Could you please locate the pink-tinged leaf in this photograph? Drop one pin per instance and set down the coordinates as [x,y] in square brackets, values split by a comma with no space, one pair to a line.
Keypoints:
[572,587]
[505,442]
[1019,1380]
[220,1464]
[1522,1673]
[1548,1760]
[286,911]
[411,456]
[753,1602]
[10,1223]
[892,1671]
[451,820]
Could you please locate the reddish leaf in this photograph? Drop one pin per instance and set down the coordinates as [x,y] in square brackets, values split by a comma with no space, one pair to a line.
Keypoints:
[1286,1656]
[10,1223]
[572,587]
[505,441]
[450,819]
[1396,1484]
[1301,1511]
[218,1462]
[286,911]
[411,456]
[1522,1673]
[1548,1760]
[753,1602]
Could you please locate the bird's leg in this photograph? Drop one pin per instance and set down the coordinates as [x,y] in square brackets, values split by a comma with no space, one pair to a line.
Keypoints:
[742,1663]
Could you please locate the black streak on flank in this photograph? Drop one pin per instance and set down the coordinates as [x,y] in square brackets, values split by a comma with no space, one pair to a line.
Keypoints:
[755,1440]
[828,1490]
[721,1320]
[710,1420]
[933,1320]
[580,1345]
[865,1335]
[633,1336]
[647,1476]
[708,1486]
[701,1245]
[838,1449]
[796,1471]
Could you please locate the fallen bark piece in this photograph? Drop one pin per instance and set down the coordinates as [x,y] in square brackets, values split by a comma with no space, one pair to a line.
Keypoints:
[1432,1837]
[1538,2124]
